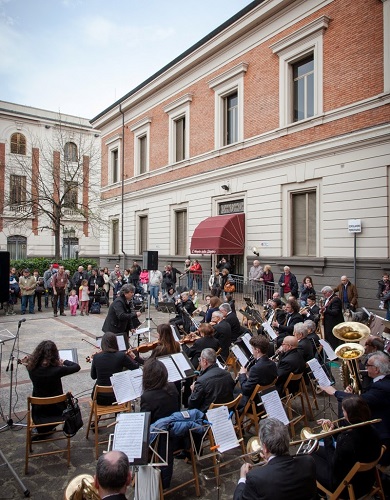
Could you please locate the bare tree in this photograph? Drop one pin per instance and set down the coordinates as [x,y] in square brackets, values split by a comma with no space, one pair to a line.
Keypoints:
[58,184]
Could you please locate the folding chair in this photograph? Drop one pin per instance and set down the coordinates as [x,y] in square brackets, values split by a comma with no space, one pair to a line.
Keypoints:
[291,398]
[252,411]
[99,411]
[233,406]
[56,421]
[376,489]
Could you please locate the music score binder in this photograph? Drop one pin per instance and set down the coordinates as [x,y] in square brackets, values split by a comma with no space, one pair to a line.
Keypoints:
[273,405]
[132,433]
[127,385]
[178,365]
[68,354]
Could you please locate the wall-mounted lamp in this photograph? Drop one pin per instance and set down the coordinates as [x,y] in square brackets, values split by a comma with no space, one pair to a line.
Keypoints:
[255,251]
[96,135]
[47,126]
[225,187]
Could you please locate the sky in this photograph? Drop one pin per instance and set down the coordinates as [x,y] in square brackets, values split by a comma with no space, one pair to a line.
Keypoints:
[79,56]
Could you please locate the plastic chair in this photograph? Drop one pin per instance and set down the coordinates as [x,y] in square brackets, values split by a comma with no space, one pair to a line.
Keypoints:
[99,411]
[376,489]
[56,421]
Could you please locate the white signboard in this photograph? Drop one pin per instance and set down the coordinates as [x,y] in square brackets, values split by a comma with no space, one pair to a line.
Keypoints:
[354,226]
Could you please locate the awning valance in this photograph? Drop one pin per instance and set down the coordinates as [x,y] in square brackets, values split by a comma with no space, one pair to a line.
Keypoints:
[222,234]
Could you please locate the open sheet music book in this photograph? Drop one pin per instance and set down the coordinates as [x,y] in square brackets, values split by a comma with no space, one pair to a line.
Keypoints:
[246,338]
[127,385]
[178,366]
[222,428]
[268,328]
[240,355]
[273,405]
[319,373]
[68,354]
[132,436]
[175,333]
[119,338]
[328,350]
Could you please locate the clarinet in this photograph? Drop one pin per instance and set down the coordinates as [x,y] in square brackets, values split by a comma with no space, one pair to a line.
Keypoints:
[250,363]
[278,352]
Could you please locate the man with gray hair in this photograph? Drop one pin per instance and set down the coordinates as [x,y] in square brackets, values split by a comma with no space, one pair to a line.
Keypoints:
[283,477]
[256,280]
[113,475]
[230,317]
[332,312]
[214,385]
[305,346]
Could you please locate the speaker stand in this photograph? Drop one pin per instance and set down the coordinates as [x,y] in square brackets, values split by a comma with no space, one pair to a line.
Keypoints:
[148,318]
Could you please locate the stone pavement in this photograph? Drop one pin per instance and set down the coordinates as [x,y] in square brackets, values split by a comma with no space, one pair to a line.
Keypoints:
[49,476]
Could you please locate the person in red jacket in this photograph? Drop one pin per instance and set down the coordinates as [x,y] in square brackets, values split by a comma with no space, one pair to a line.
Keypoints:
[196,275]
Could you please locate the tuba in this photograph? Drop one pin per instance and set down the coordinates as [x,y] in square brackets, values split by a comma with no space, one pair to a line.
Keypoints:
[81,488]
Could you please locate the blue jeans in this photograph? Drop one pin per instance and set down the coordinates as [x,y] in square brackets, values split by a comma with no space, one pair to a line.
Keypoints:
[28,299]
[153,290]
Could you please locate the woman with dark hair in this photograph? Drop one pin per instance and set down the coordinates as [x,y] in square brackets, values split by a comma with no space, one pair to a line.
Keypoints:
[215,302]
[110,360]
[167,343]
[46,369]
[306,288]
[361,444]
[205,340]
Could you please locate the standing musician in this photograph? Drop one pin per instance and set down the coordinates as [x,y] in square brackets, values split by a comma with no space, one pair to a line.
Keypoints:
[206,339]
[166,342]
[222,332]
[262,372]
[45,369]
[337,457]
[108,362]
[283,477]
[332,314]
[292,318]
[184,310]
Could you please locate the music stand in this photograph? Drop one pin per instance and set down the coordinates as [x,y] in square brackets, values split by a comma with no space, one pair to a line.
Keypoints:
[167,307]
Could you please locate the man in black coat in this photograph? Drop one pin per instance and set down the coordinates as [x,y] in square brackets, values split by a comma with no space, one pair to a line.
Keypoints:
[283,477]
[332,312]
[184,309]
[231,318]
[291,361]
[305,346]
[214,385]
[113,475]
[293,317]
[223,332]
[121,316]
[311,311]
[288,284]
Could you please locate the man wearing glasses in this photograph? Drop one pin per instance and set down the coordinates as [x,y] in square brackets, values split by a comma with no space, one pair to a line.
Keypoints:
[290,361]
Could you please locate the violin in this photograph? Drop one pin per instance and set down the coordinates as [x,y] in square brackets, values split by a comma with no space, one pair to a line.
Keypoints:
[149,346]
[189,338]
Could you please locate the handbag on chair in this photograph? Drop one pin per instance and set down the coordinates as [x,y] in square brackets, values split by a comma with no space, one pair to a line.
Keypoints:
[72,416]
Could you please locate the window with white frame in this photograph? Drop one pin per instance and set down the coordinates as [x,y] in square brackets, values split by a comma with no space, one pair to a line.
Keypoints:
[179,129]
[180,232]
[114,236]
[142,233]
[301,72]
[113,155]
[114,165]
[229,105]
[303,223]
[18,144]
[141,132]
[17,247]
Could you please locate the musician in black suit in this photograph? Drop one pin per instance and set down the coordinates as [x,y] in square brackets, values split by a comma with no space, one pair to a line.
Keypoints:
[222,332]
[293,317]
[262,372]
[332,312]
[305,346]
[184,309]
[232,319]
[311,311]
[283,477]
[113,475]
[291,361]
[206,332]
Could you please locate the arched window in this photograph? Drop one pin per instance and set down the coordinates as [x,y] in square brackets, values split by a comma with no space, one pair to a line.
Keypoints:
[17,247]
[70,151]
[18,143]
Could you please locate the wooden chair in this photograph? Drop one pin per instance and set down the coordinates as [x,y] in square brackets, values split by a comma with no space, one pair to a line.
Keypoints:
[51,436]
[290,398]
[252,411]
[233,407]
[376,489]
[232,364]
[101,413]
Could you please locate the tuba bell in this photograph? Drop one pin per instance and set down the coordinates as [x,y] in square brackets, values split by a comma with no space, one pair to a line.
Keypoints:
[81,488]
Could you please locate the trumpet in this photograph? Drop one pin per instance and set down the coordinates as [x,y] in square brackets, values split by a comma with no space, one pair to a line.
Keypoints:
[304,310]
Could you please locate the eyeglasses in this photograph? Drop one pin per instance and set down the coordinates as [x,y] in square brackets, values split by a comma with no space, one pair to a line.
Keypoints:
[285,343]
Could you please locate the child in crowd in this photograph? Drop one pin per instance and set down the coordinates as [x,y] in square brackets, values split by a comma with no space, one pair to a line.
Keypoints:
[73,302]
[144,279]
[84,298]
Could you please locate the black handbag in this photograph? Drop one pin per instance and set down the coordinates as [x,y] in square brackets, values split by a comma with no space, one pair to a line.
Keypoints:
[72,416]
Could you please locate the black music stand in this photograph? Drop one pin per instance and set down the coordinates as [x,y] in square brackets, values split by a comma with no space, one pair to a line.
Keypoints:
[167,307]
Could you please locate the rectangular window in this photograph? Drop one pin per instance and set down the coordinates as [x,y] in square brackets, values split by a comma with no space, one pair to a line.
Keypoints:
[17,190]
[180,135]
[70,194]
[181,232]
[303,88]
[231,118]
[143,154]
[114,166]
[304,226]
[115,236]
[143,234]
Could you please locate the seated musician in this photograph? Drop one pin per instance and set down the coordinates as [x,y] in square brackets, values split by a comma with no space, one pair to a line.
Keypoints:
[206,339]
[202,310]
[222,332]
[262,372]
[45,369]
[113,475]
[166,342]
[312,335]
[292,317]
[362,444]
[276,312]
[373,344]
[184,309]
[232,319]
[290,361]
[214,385]
[305,346]
[215,302]
[107,362]
[283,477]
[311,311]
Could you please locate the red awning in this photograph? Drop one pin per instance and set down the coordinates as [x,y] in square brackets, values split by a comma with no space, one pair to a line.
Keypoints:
[223,234]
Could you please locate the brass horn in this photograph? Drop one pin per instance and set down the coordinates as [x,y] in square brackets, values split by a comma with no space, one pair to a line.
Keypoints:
[81,488]
[351,331]
[253,449]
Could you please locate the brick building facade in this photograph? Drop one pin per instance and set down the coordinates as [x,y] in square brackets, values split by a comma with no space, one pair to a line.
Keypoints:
[281,113]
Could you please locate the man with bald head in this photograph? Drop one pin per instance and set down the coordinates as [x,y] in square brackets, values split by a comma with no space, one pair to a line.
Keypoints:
[113,475]
[291,361]
[347,292]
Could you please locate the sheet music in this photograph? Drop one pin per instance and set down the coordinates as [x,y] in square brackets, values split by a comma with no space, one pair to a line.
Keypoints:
[141,331]
[182,363]
[127,385]
[328,350]
[173,372]
[240,355]
[175,336]
[128,436]
[268,328]
[246,338]
[318,372]
[66,354]
[119,338]
[222,428]
[274,407]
